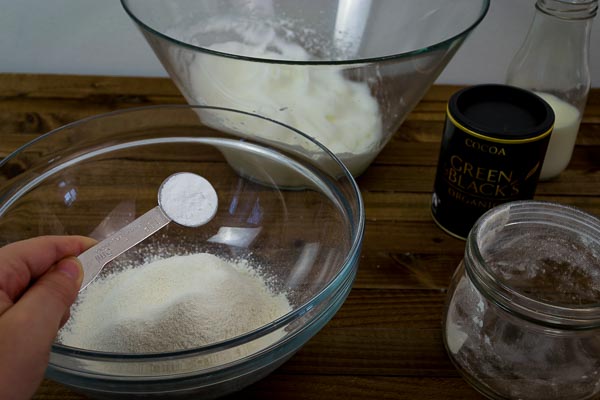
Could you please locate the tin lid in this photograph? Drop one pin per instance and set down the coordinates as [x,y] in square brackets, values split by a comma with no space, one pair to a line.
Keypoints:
[501,112]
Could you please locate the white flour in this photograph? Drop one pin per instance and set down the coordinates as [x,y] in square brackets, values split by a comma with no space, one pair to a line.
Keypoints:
[172,304]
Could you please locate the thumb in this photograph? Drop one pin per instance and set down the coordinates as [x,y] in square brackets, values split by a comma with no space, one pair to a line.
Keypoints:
[47,302]
[30,326]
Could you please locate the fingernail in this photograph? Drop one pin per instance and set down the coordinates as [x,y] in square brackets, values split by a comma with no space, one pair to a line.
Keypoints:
[70,267]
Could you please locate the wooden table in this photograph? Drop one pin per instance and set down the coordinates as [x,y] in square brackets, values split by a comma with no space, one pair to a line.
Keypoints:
[386,340]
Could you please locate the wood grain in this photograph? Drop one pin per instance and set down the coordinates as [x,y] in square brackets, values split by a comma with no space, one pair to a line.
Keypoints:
[385,342]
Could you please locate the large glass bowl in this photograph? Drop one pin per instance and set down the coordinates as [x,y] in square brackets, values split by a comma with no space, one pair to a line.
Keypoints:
[345,72]
[276,205]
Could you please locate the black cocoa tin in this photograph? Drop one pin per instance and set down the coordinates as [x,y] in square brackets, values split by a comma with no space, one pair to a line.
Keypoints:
[494,143]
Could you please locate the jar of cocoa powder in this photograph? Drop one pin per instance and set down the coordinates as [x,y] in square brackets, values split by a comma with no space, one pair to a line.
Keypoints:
[522,317]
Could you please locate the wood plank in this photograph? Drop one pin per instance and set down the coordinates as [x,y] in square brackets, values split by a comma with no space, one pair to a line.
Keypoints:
[406,271]
[336,387]
[419,179]
[396,153]
[390,310]
[82,86]
[317,387]
[374,352]
[414,207]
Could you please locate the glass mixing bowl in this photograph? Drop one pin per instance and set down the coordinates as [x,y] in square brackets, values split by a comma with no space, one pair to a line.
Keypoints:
[344,72]
[94,176]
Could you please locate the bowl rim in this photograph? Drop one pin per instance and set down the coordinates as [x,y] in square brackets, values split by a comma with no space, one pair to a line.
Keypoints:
[485,5]
[350,262]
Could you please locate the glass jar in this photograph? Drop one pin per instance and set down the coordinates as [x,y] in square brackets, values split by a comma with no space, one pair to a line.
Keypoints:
[554,62]
[522,317]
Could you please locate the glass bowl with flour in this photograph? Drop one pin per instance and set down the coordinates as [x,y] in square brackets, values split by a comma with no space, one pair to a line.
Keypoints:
[345,73]
[198,311]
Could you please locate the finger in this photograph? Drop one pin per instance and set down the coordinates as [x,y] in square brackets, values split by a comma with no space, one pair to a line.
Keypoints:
[48,301]
[5,302]
[65,318]
[24,261]
[31,325]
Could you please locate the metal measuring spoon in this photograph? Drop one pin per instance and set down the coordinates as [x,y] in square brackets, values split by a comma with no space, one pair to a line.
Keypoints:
[185,198]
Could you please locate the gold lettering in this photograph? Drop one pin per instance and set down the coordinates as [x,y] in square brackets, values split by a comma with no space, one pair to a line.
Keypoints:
[468,178]
[485,148]
[458,160]
[473,187]
[486,189]
[506,177]
[468,169]
[452,175]
[480,175]
[515,189]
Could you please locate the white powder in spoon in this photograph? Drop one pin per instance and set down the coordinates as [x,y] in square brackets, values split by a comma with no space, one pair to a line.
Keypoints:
[171,304]
[188,199]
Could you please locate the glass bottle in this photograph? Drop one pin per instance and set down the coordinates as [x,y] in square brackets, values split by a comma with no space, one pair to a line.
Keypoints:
[553,61]
[522,316]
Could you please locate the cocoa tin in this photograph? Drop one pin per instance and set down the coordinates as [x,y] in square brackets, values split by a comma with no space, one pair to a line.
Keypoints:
[494,143]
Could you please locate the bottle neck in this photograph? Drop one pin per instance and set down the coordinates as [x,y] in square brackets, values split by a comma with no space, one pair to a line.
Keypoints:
[567,25]
[570,10]
[560,32]
[562,28]
[554,56]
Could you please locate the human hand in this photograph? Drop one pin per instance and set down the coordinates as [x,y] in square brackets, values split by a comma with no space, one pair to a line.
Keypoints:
[39,281]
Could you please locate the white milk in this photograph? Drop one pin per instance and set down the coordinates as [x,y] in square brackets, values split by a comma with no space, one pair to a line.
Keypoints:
[562,140]
[317,100]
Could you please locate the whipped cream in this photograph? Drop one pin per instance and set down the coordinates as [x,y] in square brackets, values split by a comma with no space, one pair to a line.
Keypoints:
[317,100]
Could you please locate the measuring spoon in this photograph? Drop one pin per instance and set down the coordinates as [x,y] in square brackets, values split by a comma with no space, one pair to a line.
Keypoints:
[185,198]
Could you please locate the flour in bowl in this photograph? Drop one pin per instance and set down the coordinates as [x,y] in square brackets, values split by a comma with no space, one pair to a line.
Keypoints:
[171,304]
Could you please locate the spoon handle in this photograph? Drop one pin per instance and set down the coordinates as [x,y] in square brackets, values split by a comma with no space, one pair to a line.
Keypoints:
[97,256]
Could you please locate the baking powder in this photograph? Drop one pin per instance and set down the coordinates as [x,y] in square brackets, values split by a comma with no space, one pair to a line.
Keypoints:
[188,199]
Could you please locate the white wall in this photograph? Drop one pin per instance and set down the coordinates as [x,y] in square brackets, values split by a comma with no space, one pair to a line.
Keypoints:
[97,37]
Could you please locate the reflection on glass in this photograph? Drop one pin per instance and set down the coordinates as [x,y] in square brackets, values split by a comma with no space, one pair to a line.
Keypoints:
[350,23]
[304,264]
[232,236]
[120,216]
